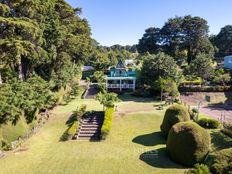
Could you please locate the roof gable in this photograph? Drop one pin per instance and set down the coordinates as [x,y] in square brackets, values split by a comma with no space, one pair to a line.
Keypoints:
[120,65]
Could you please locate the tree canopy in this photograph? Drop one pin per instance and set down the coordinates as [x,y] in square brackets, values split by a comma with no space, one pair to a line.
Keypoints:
[223,41]
[42,44]
[180,37]
[158,66]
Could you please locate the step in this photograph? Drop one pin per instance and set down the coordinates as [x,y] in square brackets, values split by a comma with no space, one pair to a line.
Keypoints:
[88,134]
[91,124]
[92,119]
[90,129]
[87,131]
[89,139]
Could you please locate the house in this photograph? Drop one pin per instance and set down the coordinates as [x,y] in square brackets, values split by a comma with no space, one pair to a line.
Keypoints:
[228,62]
[120,78]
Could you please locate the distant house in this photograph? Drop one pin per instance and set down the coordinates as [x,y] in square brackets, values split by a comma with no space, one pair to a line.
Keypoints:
[129,62]
[87,68]
[228,62]
[120,78]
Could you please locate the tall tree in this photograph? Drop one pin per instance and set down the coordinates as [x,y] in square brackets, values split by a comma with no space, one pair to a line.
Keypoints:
[150,42]
[188,34]
[158,66]
[223,41]
[40,37]
[202,67]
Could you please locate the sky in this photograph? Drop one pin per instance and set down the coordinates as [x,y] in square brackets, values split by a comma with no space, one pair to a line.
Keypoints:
[124,21]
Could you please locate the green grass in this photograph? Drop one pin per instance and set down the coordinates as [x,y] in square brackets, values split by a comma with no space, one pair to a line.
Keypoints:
[122,152]
[125,150]
[12,132]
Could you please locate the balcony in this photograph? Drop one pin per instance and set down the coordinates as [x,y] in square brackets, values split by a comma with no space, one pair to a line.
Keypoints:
[123,86]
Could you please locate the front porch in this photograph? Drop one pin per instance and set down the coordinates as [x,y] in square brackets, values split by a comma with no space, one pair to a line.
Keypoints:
[120,83]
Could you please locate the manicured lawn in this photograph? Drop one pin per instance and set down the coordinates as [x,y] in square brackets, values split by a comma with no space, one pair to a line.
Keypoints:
[132,136]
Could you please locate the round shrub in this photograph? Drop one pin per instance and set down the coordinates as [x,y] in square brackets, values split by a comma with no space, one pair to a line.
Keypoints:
[208,123]
[174,114]
[188,143]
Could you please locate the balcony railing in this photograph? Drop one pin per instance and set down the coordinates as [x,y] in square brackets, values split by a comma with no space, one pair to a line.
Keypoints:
[123,86]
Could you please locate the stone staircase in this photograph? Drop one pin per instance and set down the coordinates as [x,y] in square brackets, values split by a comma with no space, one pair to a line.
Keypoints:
[90,127]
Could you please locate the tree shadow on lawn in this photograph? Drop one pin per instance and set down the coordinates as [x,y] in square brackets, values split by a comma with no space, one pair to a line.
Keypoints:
[220,141]
[151,139]
[71,119]
[159,158]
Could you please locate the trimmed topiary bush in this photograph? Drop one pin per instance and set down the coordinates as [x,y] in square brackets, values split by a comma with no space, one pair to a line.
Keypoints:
[208,123]
[174,114]
[222,162]
[188,143]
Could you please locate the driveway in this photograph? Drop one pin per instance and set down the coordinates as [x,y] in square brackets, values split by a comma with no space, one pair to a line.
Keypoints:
[219,112]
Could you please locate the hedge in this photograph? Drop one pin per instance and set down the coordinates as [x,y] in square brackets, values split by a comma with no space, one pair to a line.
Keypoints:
[206,89]
[194,82]
[107,124]
[221,162]
[74,123]
[188,143]
[208,123]
[174,114]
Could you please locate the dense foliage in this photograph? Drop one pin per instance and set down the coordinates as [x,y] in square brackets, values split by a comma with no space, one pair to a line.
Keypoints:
[188,143]
[223,41]
[221,162]
[174,114]
[191,51]
[181,37]
[24,98]
[199,169]
[201,67]
[103,57]
[73,123]
[157,66]
[42,45]
[208,123]
[107,99]
[107,124]
[227,129]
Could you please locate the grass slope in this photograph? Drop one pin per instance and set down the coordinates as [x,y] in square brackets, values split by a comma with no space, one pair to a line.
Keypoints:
[12,132]
[125,150]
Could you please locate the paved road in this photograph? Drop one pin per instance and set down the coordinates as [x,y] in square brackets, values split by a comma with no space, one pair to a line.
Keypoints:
[220,112]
